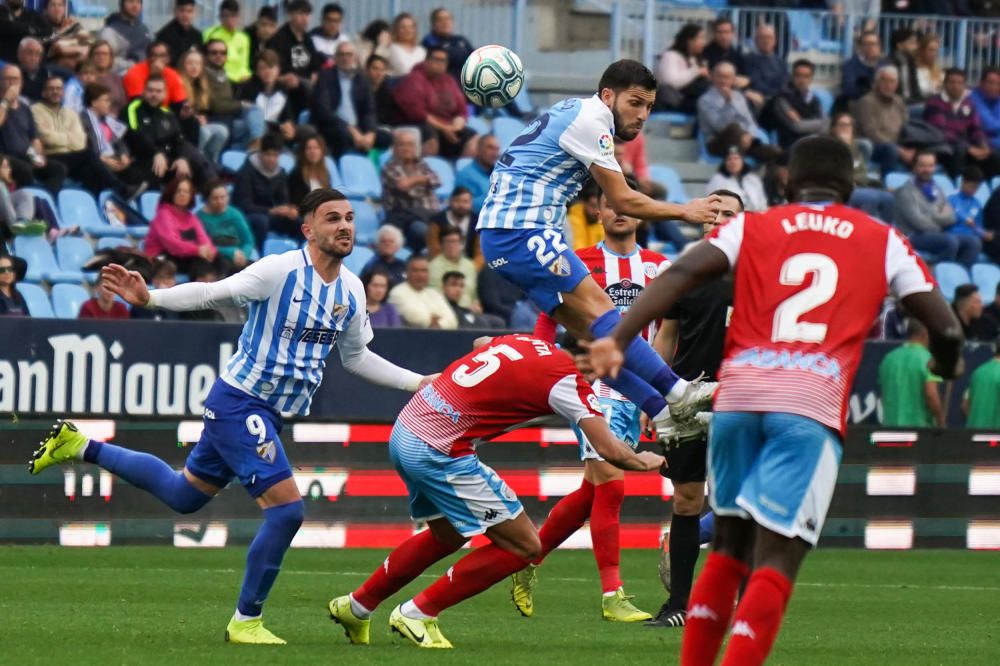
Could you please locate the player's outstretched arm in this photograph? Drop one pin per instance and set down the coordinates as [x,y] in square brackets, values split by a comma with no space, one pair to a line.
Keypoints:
[626,201]
[616,452]
[944,329]
[129,285]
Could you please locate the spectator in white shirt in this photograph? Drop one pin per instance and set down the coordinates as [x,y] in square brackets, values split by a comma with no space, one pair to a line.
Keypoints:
[405,52]
[418,304]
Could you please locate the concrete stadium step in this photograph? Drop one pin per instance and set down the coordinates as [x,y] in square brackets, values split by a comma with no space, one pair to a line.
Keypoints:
[663,150]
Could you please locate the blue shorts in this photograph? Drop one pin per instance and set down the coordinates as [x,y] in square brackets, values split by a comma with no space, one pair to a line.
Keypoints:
[623,419]
[240,439]
[469,494]
[778,469]
[537,260]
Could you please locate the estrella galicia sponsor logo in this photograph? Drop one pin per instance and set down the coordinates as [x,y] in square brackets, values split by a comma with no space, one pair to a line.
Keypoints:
[267,451]
[623,293]
[497,263]
[560,267]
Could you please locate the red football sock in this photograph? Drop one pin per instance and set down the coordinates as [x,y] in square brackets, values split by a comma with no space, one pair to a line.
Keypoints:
[758,618]
[566,517]
[403,565]
[710,609]
[604,531]
[477,571]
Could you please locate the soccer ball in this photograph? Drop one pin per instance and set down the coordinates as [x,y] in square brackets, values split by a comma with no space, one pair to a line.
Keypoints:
[492,76]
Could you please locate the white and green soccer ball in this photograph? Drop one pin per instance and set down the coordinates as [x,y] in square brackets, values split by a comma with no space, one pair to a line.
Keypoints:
[492,76]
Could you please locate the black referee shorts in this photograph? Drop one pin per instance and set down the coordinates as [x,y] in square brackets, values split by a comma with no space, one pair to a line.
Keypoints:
[686,461]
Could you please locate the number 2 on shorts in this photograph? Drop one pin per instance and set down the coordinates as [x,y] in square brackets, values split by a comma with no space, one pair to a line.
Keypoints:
[538,245]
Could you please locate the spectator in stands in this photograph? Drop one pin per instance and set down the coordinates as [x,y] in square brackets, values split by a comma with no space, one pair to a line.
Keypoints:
[583,218]
[968,209]
[910,396]
[880,116]
[16,23]
[868,194]
[212,136]
[980,404]
[419,305]
[11,301]
[261,31]
[328,35]
[343,108]
[796,111]
[735,175]
[66,43]
[310,172]
[175,232]
[156,62]
[953,112]
[681,71]
[17,208]
[103,305]
[443,35]
[164,276]
[300,61]
[224,312]
[86,73]
[930,74]
[103,57]
[375,39]
[408,185]
[33,72]
[776,181]
[923,213]
[404,51]
[903,45]
[261,192]
[179,34]
[159,146]
[128,36]
[107,138]
[429,97]
[380,313]
[19,139]
[244,120]
[475,177]
[266,91]
[226,226]
[452,259]
[454,290]
[858,74]
[968,306]
[236,40]
[376,71]
[388,243]
[65,142]
[987,101]
[725,46]
[460,215]
[767,70]
[726,119]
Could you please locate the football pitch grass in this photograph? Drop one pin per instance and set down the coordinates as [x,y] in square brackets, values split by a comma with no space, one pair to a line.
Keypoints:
[161,605]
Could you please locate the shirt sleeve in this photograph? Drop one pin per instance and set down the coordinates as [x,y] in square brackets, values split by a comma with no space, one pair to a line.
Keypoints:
[572,398]
[905,272]
[589,138]
[729,237]
[254,283]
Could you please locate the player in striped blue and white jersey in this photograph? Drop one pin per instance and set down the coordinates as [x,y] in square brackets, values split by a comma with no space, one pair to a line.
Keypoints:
[522,219]
[301,304]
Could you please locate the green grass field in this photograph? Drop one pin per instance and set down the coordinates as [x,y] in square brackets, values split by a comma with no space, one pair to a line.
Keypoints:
[147,605]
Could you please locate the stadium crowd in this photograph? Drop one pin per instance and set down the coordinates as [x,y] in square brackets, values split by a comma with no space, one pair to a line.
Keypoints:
[232,126]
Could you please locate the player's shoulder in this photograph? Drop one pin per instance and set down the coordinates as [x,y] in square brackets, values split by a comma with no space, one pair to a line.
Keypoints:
[651,256]
[590,252]
[586,111]
[351,280]
[276,266]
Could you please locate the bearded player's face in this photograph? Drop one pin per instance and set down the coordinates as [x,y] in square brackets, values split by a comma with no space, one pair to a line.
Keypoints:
[630,110]
[331,228]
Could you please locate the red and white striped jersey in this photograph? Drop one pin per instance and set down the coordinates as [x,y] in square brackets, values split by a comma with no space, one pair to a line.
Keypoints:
[513,379]
[809,281]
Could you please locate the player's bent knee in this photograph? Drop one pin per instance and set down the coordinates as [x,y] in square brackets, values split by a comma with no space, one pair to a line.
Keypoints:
[530,548]
[689,499]
[186,497]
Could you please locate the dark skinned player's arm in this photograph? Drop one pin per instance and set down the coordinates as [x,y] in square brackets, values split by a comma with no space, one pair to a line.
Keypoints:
[944,329]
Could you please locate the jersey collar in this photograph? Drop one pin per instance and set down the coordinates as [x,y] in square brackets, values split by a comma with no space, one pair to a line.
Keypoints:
[605,248]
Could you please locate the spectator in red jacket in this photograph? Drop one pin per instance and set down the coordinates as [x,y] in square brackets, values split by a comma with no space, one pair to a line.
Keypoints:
[175,232]
[103,306]
[954,113]
[429,97]
[157,61]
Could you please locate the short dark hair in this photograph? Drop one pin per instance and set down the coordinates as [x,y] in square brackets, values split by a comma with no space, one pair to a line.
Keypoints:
[972,174]
[452,275]
[268,12]
[211,185]
[955,71]
[964,291]
[923,153]
[437,12]
[415,257]
[900,35]
[200,269]
[802,62]
[721,21]
[375,58]
[624,74]
[94,91]
[451,231]
[869,33]
[317,198]
[460,190]
[299,7]
[154,76]
[271,141]
[215,40]
[163,267]
[730,193]
[988,71]
[269,57]
[231,6]
[437,48]
[821,163]
[183,3]
[153,44]
[332,8]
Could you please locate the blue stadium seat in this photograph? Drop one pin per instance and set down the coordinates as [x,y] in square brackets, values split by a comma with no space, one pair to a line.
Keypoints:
[461,163]
[986,277]
[357,259]
[304,117]
[286,161]
[110,243]
[506,130]
[37,300]
[148,203]
[67,300]
[41,260]
[39,193]
[73,252]
[78,208]
[404,253]
[825,98]
[949,276]
[671,117]
[359,177]
[365,223]
[896,179]
[233,159]
[279,245]
[983,194]
[669,178]
[384,157]
[331,166]
[945,183]
[479,125]
[445,173]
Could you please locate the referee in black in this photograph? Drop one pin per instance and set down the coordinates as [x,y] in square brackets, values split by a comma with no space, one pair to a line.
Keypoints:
[696,329]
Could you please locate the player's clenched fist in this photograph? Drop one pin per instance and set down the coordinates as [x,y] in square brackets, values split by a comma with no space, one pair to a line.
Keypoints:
[651,461]
[606,359]
[702,211]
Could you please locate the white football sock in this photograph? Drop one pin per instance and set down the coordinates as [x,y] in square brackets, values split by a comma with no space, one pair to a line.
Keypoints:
[676,392]
[359,610]
[410,610]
